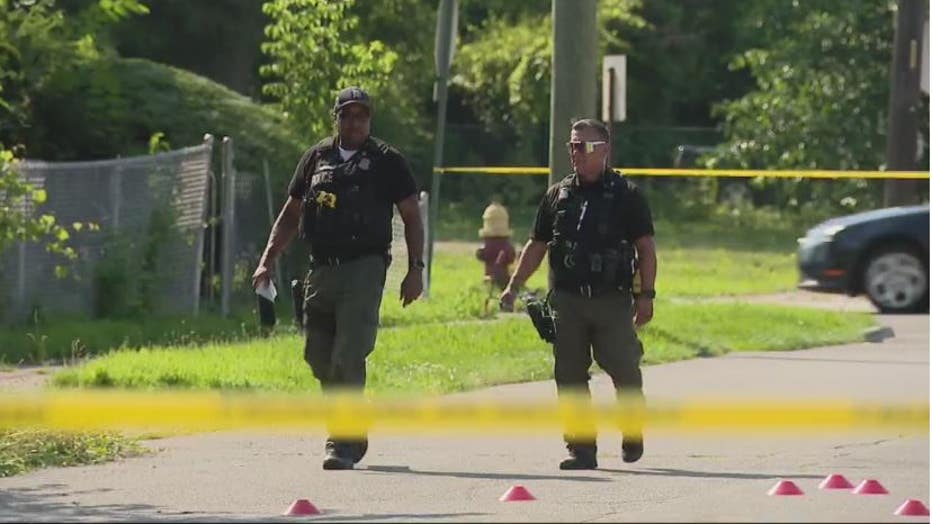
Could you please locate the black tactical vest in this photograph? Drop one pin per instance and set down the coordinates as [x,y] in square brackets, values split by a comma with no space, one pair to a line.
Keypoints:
[588,252]
[342,211]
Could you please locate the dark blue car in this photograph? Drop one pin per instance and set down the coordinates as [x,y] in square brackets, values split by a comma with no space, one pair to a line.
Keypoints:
[883,254]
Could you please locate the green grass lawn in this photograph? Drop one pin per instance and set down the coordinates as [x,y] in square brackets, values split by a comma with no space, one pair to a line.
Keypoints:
[709,272]
[457,293]
[442,358]
[741,229]
[68,339]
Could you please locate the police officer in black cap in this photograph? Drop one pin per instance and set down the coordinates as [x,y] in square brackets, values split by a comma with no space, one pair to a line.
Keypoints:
[590,225]
[341,199]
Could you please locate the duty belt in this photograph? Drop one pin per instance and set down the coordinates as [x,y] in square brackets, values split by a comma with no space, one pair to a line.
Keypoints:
[342,259]
[330,261]
[588,291]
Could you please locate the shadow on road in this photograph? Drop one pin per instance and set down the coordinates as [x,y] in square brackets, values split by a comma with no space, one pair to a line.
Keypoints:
[38,504]
[34,505]
[838,360]
[700,350]
[670,472]
[487,476]
[404,517]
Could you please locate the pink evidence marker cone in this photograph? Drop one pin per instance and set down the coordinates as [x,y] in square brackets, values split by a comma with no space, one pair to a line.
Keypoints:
[835,481]
[300,508]
[517,494]
[785,487]
[912,508]
[870,487]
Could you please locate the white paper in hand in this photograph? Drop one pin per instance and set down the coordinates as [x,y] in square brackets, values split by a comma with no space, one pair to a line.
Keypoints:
[267,290]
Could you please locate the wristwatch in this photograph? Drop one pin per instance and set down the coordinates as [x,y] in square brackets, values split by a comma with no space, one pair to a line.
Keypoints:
[416,264]
[647,293]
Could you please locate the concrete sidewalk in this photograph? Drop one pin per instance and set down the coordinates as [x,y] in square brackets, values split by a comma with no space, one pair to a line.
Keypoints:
[238,476]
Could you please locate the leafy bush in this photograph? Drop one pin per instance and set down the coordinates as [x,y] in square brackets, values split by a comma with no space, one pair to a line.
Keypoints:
[822,88]
[113,106]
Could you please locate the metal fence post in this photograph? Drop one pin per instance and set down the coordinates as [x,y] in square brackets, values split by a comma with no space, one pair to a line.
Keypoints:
[229,217]
[21,278]
[205,227]
[116,197]
[279,278]
[424,208]
[211,230]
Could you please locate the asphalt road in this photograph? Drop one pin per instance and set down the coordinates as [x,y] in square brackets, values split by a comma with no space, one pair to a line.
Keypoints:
[682,477]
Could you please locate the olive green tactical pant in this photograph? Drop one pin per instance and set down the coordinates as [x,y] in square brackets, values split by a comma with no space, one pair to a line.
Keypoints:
[600,327]
[341,319]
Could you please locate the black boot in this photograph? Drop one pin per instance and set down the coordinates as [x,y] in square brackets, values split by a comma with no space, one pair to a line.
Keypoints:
[358,448]
[582,456]
[632,448]
[337,456]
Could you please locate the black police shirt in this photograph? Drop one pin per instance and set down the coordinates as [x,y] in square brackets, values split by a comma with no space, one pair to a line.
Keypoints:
[635,216]
[395,180]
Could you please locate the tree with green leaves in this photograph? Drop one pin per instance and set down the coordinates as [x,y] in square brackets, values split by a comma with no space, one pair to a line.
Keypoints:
[20,219]
[405,112]
[507,89]
[502,70]
[314,53]
[218,39]
[37,42]
[41,41]
[31,49]
[822,79]
[677,60]
[821,69]
[221,39]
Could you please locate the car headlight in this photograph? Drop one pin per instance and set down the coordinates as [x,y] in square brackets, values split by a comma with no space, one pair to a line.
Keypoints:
[819,235]
[832,230]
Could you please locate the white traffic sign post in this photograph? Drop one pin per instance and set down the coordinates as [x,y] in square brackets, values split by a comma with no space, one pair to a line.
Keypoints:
[924,60]
[614,75]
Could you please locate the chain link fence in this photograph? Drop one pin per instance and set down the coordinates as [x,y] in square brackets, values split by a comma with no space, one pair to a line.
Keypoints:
[174,236]
[146,253]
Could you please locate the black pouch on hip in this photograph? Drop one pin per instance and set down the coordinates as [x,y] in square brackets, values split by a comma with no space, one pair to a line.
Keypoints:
[266,312]
[297,300]
[542,317]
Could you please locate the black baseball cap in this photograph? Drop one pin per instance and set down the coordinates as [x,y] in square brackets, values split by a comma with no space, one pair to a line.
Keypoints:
[352,95]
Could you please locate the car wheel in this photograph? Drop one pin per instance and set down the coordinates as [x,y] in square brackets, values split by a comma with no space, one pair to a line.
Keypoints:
[896,280]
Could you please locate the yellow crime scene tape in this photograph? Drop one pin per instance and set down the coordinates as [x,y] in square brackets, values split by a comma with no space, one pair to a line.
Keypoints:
[736,173]
[355,415]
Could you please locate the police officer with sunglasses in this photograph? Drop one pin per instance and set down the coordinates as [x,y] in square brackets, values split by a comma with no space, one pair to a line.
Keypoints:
[340,202]
[597,231]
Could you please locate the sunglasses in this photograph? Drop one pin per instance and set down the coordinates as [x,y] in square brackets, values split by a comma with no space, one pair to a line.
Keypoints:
[584,147]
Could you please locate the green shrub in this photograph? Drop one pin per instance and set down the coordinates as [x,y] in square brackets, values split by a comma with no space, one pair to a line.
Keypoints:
[111,107]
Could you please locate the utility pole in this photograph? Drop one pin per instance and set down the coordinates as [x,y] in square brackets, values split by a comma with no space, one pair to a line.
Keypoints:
[904,100]
[574,74]
[443,57]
